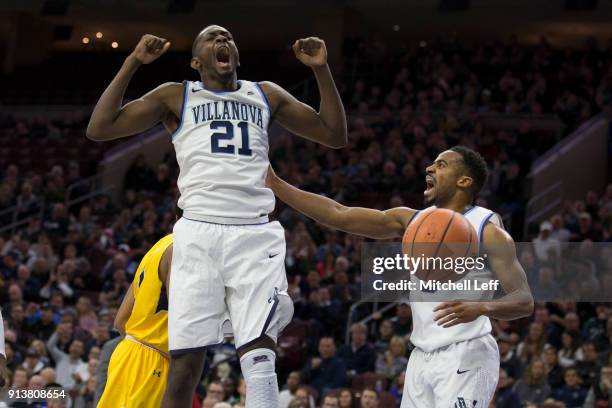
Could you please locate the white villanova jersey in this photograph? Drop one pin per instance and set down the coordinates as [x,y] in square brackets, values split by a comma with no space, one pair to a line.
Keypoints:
[426,333]
[221,147]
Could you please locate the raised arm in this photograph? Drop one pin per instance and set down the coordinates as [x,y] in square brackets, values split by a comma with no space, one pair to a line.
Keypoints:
[355,220]
[328,126]
[110,120]
[516,303]
[54,350]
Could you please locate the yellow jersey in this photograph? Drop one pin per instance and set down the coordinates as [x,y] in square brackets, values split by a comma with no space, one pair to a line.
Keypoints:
[148,321]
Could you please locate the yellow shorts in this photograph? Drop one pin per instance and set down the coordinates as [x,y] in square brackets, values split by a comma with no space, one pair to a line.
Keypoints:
[136,377]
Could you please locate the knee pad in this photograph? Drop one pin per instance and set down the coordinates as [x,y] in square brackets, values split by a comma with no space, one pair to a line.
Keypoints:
[282,315]
[261,384]
[258,363]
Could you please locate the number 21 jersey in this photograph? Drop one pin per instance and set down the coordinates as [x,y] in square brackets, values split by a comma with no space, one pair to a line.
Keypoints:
[221,148]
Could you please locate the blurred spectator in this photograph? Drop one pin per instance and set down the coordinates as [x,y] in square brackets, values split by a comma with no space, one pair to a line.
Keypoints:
[509,361]
[345,399]
[369,398]
[304,396]
[533,387]
[402,322]
[554,371]
[397,387]
[546,288]
[393,361]
[358,356]
[385,333]
[330,401]
[572,394]
[588,366]
[67,364]
[547,248]
[287,395]
[505,397]
[558,232]
[533,346]
[326,371]
[32,362]
[600,394]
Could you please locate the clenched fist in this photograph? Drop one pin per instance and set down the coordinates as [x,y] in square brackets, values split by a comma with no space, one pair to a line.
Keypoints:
[150,48]
[311,51]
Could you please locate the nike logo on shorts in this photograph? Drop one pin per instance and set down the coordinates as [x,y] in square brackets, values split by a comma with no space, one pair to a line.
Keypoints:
[461,372]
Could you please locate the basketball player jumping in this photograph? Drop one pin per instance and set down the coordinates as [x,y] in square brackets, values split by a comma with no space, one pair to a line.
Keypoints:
[138,368]
[227,257]
[455,362]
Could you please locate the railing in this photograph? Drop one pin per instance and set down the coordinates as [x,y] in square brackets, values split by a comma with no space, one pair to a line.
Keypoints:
[367,319]
[542,203]
[94,190]
[15,223]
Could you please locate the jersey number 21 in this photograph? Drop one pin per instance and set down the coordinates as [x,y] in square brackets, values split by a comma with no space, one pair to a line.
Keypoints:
[228,134]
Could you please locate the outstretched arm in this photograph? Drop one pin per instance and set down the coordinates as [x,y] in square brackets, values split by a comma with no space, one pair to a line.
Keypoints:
[516,303]
[328,126]
[110,120]
[355,220]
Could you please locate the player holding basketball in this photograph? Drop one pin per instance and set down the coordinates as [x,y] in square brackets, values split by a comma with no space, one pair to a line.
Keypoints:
[456,360]
[227,256]
[138,368]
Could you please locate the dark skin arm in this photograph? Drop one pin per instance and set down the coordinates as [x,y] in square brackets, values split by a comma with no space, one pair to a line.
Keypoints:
[355,220]
[111,120]
[125,309]
[328,126]
[518,301]
[3,371]
[164,268]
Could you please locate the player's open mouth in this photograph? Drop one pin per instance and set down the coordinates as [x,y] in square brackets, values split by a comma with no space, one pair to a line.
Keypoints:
[430,182]
[223,56]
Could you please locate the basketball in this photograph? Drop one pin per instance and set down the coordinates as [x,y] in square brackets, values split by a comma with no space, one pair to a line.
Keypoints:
[441,235]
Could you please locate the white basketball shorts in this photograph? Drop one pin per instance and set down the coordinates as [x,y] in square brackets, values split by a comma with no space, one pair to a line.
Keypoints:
[226,271]
[461,375]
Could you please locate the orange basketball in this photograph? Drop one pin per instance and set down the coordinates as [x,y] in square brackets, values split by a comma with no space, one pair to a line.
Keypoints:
[441,236]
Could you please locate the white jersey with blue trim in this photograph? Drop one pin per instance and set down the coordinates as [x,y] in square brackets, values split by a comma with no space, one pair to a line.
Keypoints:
[221,147]
[426,333]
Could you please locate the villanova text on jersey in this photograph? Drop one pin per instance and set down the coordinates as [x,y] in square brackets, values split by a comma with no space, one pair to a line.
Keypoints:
[227,110]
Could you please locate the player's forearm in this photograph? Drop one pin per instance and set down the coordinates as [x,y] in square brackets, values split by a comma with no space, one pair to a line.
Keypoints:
[514,305]
[321,209]
[2,350]
[109,105]
[331,110]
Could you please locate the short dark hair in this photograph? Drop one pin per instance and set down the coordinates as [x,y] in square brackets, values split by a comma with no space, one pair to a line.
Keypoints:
[475,165]
[197,39]
[371,390]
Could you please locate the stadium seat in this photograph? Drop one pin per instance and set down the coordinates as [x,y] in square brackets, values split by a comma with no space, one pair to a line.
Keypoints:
[368,380]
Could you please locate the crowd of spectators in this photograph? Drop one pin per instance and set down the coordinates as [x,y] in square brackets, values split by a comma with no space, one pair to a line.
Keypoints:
[63,274]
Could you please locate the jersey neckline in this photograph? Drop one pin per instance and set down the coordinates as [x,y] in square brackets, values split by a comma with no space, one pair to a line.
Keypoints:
[238,82]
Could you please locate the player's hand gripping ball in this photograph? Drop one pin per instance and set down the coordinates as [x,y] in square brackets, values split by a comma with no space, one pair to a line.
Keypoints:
[311,51]
[150,48]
